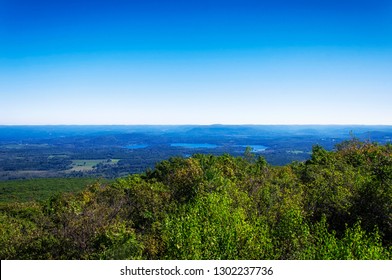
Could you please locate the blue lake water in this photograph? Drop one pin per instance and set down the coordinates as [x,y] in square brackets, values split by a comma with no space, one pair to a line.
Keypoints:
[256,148]
[136,146]
[194,145]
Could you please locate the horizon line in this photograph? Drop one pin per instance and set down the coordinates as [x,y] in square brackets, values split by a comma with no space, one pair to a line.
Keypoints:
[190,124]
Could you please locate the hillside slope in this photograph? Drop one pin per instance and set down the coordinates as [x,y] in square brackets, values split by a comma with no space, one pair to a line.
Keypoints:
[336,205]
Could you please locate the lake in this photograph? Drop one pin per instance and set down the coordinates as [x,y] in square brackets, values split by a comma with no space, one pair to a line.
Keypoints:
[194,145]
[256,148]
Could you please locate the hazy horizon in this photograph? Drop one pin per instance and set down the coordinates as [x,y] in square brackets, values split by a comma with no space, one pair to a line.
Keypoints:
[231,62]
[195,124]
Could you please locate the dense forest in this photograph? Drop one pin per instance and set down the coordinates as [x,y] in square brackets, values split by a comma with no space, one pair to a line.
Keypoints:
[335,205]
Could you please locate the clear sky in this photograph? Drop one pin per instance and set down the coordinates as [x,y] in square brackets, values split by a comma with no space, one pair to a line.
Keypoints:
[196,62]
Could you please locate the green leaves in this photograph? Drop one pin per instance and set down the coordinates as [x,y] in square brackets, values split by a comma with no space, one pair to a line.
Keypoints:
[214,228]
[337,205]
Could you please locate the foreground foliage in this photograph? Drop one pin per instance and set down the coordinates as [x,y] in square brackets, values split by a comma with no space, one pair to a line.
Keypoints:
[337,205]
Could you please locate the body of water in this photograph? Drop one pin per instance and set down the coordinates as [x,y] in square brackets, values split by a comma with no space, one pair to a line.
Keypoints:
[194,145]
[256,148]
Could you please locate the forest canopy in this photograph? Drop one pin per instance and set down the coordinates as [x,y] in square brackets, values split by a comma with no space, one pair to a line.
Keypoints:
[336,205]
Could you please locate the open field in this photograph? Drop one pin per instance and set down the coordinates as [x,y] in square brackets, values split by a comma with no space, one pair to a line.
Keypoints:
[89,164]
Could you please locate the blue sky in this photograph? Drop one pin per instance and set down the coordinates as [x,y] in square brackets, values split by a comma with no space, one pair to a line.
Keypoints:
[196,62]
